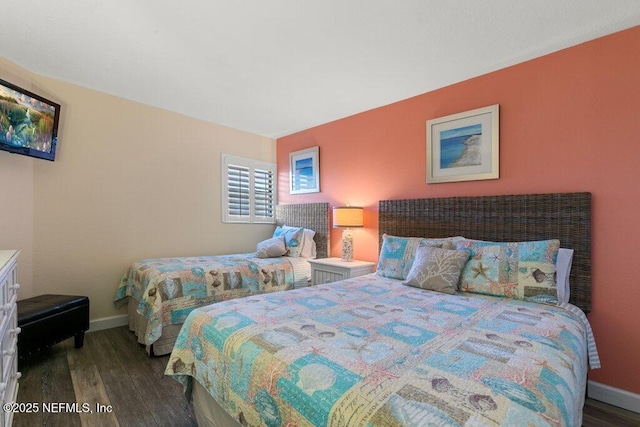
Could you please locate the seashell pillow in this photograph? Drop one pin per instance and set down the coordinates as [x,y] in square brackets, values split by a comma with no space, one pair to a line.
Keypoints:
[519,270]
[397,254]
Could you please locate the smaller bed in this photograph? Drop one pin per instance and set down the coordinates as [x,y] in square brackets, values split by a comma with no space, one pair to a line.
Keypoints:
[161,292]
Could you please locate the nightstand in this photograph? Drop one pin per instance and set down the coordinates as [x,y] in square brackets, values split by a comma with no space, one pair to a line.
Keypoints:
[328,270]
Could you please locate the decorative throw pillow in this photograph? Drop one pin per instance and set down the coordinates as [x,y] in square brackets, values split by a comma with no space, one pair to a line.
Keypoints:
[271,248]
[397,254]
[520,270]
[292,239]
[437,269]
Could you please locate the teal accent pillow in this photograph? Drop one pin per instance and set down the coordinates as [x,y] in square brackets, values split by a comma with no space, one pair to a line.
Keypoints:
[519,270]
[292,239]
[397,254]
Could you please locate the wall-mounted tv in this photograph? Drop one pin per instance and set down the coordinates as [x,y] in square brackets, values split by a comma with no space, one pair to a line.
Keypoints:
[28,122]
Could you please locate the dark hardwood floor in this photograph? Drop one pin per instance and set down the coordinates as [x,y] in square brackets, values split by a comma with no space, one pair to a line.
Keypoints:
[112,369]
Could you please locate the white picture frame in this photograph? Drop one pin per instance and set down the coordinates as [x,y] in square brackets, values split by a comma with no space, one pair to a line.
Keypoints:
[304,171]
[464,146]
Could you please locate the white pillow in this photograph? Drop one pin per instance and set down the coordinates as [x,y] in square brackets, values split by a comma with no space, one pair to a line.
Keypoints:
[271,248]
[308,245]
[563,269]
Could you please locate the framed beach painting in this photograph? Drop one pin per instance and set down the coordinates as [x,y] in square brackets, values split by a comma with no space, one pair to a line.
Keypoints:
[464,146]
[304,171]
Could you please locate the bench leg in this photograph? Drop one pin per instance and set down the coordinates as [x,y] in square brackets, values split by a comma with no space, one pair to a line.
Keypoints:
[79,339]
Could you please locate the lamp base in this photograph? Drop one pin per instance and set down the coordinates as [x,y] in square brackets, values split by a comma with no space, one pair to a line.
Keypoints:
[347,245]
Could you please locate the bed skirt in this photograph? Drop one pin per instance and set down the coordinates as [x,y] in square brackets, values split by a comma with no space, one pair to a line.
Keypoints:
[208,412]
[138,324]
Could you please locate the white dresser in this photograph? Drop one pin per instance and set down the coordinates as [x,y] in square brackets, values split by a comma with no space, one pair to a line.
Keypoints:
[8,331]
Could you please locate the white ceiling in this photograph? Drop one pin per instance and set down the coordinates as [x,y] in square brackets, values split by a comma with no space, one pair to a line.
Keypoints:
[274,67]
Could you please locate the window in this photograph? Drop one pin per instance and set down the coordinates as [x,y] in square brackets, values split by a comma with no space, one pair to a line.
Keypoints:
[249,190]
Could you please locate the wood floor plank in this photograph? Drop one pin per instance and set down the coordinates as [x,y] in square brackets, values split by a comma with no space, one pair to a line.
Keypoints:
[129,405]
[162,397]
[30,384]
[57,387]
[599,414]
[88,386]
[158,365]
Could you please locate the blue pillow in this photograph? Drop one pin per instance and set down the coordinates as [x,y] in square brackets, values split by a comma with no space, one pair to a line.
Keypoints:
[292,239]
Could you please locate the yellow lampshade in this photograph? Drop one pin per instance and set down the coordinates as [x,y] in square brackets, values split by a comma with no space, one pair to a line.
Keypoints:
[347,216]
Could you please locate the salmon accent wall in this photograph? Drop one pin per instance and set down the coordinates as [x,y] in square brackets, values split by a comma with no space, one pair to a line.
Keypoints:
[569,121]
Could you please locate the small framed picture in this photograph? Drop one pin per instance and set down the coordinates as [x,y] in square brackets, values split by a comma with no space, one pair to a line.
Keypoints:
[304,171]
[464,146]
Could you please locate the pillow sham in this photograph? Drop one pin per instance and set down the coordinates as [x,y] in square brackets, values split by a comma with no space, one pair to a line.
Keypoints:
[292,239]
[397,254]
[308,245]
[519,270]
[563,267]
[271,248]
[437,269]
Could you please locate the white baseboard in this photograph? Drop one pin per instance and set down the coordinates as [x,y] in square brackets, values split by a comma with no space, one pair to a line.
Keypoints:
[108,322]
[614,396]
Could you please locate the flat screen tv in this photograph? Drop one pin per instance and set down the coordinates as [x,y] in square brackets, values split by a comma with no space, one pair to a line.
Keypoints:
[28,122]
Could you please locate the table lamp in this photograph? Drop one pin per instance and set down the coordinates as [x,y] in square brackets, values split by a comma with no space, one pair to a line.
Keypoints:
[347,217]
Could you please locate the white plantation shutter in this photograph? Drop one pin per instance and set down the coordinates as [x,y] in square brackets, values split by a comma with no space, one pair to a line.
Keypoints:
[238,195]
[249,190]
[263,193]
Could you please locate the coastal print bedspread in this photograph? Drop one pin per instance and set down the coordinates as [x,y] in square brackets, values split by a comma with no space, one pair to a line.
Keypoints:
[370,351]
[170,288]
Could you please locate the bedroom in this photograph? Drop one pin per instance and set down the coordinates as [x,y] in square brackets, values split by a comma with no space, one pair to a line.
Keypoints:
[80,220]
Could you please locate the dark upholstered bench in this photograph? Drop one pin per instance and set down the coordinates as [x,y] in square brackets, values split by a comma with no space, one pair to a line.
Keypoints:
[48,319]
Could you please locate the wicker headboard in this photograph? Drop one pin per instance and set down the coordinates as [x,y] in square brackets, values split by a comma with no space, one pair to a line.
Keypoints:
[563,216]
[314,216]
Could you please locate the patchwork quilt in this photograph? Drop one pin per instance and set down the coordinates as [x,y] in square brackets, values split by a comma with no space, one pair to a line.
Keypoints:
[170,288]
[370,351]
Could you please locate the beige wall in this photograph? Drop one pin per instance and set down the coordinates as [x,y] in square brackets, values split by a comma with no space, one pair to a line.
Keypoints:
[129,182]
[16,196]
[16,213]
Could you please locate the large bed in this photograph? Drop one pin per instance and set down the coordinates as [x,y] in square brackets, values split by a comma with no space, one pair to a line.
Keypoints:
[373,351]
[161,292]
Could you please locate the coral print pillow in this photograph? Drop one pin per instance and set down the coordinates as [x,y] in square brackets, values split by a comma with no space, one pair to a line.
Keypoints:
[397,254]
[437,269]
[292,239]
[520,270]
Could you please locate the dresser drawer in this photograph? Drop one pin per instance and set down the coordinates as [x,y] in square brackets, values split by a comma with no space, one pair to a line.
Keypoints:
[8,282]
[9,388]
[9,344]
[10,379]
[11,291]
